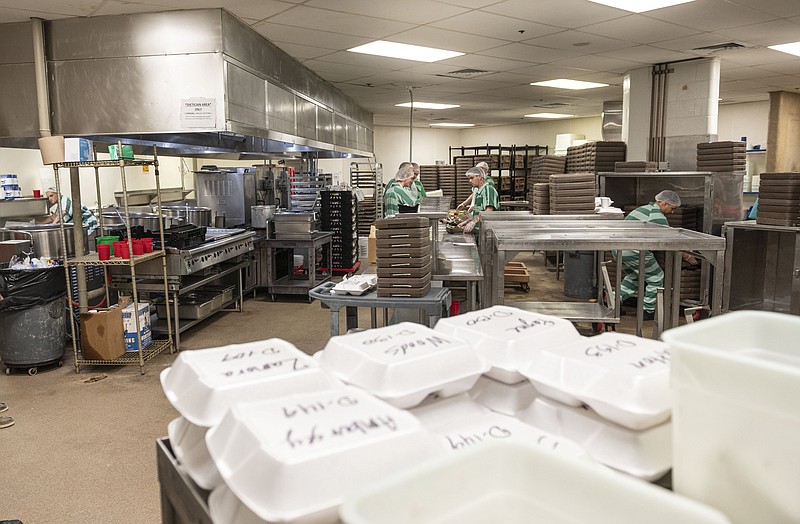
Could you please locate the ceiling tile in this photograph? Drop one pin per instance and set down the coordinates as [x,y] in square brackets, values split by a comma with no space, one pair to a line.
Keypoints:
[337,22]
[602,63]
[767,33]
[569,14]
[442,38]
[471,4]
[639,29]
[302,52]
[756,57]
[530,53]
[496,26]
[356,71]
[646,54]
[410,11]
[780,8]
[791,67]
[294,35]
[710,15]
[377,63]
[689,43]
[589,43]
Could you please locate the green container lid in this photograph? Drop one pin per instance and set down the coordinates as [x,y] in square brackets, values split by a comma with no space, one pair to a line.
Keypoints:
[108,239]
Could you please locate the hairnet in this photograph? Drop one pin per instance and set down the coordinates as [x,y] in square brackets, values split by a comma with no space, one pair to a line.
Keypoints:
[670,197]
[483,165]
[50,189]
[474,171]
[404,173]
[404,164]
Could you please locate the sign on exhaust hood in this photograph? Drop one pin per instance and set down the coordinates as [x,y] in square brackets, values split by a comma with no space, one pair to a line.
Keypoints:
[198,113]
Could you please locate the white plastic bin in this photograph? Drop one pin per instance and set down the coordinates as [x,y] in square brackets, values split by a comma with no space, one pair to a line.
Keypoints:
[736,414]
[512,483]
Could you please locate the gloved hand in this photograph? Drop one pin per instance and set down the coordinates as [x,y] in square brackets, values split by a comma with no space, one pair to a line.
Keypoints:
[469,225]
[460,206]
[690,259]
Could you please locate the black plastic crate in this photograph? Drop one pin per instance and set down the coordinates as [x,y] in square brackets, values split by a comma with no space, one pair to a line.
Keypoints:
[182,237]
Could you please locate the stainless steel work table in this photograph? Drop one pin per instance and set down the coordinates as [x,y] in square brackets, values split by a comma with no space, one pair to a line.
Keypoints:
[504,239]
[289,284]
[435,304]
[762,267]
[458,261]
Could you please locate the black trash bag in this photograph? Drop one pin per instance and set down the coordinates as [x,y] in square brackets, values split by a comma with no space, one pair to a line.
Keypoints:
[25,288]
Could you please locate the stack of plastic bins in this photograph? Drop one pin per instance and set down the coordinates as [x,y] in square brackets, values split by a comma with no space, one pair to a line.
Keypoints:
[404,256]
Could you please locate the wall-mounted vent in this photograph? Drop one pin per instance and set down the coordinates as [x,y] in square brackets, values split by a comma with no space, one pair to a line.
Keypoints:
[465,73]
[727,46]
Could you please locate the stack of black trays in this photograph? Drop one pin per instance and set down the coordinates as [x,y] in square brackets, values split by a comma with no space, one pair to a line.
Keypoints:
[404,256]
[779,199]
[725,157]
[338,215]
[181,237]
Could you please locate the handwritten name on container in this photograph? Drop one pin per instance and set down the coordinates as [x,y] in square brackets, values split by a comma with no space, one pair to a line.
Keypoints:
[288,364]
[313,408]
[252,353]
[494,433]
[386,338]
[402,348]
[525,324]
[317,434]
[488,317]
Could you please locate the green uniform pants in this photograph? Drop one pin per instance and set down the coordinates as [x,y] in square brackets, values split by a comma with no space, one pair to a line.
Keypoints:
[653,278]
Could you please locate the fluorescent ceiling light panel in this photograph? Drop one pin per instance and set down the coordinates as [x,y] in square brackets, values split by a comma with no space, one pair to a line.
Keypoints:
[427,105]
[452,124]
[549,115]
[405,51]
[564,83]
[640,6]
[792,48]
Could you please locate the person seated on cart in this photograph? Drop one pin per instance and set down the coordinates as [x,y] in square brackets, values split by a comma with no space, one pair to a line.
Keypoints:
[398,197]
[655,212]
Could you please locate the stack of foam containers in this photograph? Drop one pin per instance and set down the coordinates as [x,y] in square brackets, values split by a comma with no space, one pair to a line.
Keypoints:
[610,394]
[204,384]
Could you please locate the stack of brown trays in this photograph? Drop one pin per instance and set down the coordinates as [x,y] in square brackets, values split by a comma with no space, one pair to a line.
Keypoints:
[637,166]
[690,282]
[541,167]
[684,217]
[595,157]
[447,180]
[429,176]
[404,256]
[572,194]
[723,157]
[541,199]
[779,199]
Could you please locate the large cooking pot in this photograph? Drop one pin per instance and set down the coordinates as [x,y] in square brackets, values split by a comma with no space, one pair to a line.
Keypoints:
[195,215]
[149,221]
[46,238]
[259,215]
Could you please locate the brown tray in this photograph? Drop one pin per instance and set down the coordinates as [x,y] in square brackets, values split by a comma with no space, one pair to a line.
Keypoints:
[722,144]
[402,222]
[404,282]
[406,252]
[416,232]
[405,272]
[402,243]
[403,262]
[404,293]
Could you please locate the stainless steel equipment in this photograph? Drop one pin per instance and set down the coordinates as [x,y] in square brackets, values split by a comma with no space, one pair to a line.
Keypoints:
[149,221]
[45,239]
[260,215]
[220,245]
[23,207]
[195,215]
[295,225]
[229,192]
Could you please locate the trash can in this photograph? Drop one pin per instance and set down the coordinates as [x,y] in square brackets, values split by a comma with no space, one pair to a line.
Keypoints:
[580,274]
[32,317]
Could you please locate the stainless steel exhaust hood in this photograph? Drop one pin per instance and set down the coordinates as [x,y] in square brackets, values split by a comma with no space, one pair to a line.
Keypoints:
[195,83]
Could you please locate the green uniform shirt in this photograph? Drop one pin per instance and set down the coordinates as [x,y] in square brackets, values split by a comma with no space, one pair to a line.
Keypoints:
[486,196]
[648,213]
[418,190]
[396,196]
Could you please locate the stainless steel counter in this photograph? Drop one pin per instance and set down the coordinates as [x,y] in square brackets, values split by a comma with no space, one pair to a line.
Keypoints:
[502,240]
[457,260]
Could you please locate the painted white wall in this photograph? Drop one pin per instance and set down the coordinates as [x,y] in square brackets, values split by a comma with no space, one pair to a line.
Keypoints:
[750,119]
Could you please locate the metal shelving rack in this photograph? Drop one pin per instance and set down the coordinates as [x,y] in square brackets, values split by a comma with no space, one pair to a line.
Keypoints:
[515,175]
[368,177]
[157,347]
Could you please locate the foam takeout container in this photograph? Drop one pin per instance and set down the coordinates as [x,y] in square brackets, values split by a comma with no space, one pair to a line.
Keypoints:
[508,337]
[515,483]
[508,399]
[189,444]
[645,454]
[203,384]
[295,458]
[624,378]
[404,363]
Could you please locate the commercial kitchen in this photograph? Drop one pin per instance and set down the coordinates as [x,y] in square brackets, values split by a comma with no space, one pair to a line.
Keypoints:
[368,262]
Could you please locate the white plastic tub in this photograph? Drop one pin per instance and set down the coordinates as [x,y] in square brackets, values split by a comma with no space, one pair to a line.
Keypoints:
[404,363]
[736,414]
[508,399]
[203,384]
[295,458]
[624,378]
[645,454]
[508,337]
[512,483]
[189,444]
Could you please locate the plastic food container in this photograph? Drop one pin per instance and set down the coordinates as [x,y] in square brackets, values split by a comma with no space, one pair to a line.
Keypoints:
[624,378]
[203,384]
[356,285]
[508,399]
[644,454]
[515,483]
[508,337]
[295,458]
[434,411]
[736,415]
[189,444]
[404,363]
[225,507]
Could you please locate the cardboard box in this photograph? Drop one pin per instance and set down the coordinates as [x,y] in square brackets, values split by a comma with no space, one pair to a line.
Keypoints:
[372,246]
[129,325]
[78,150]
[102,335]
